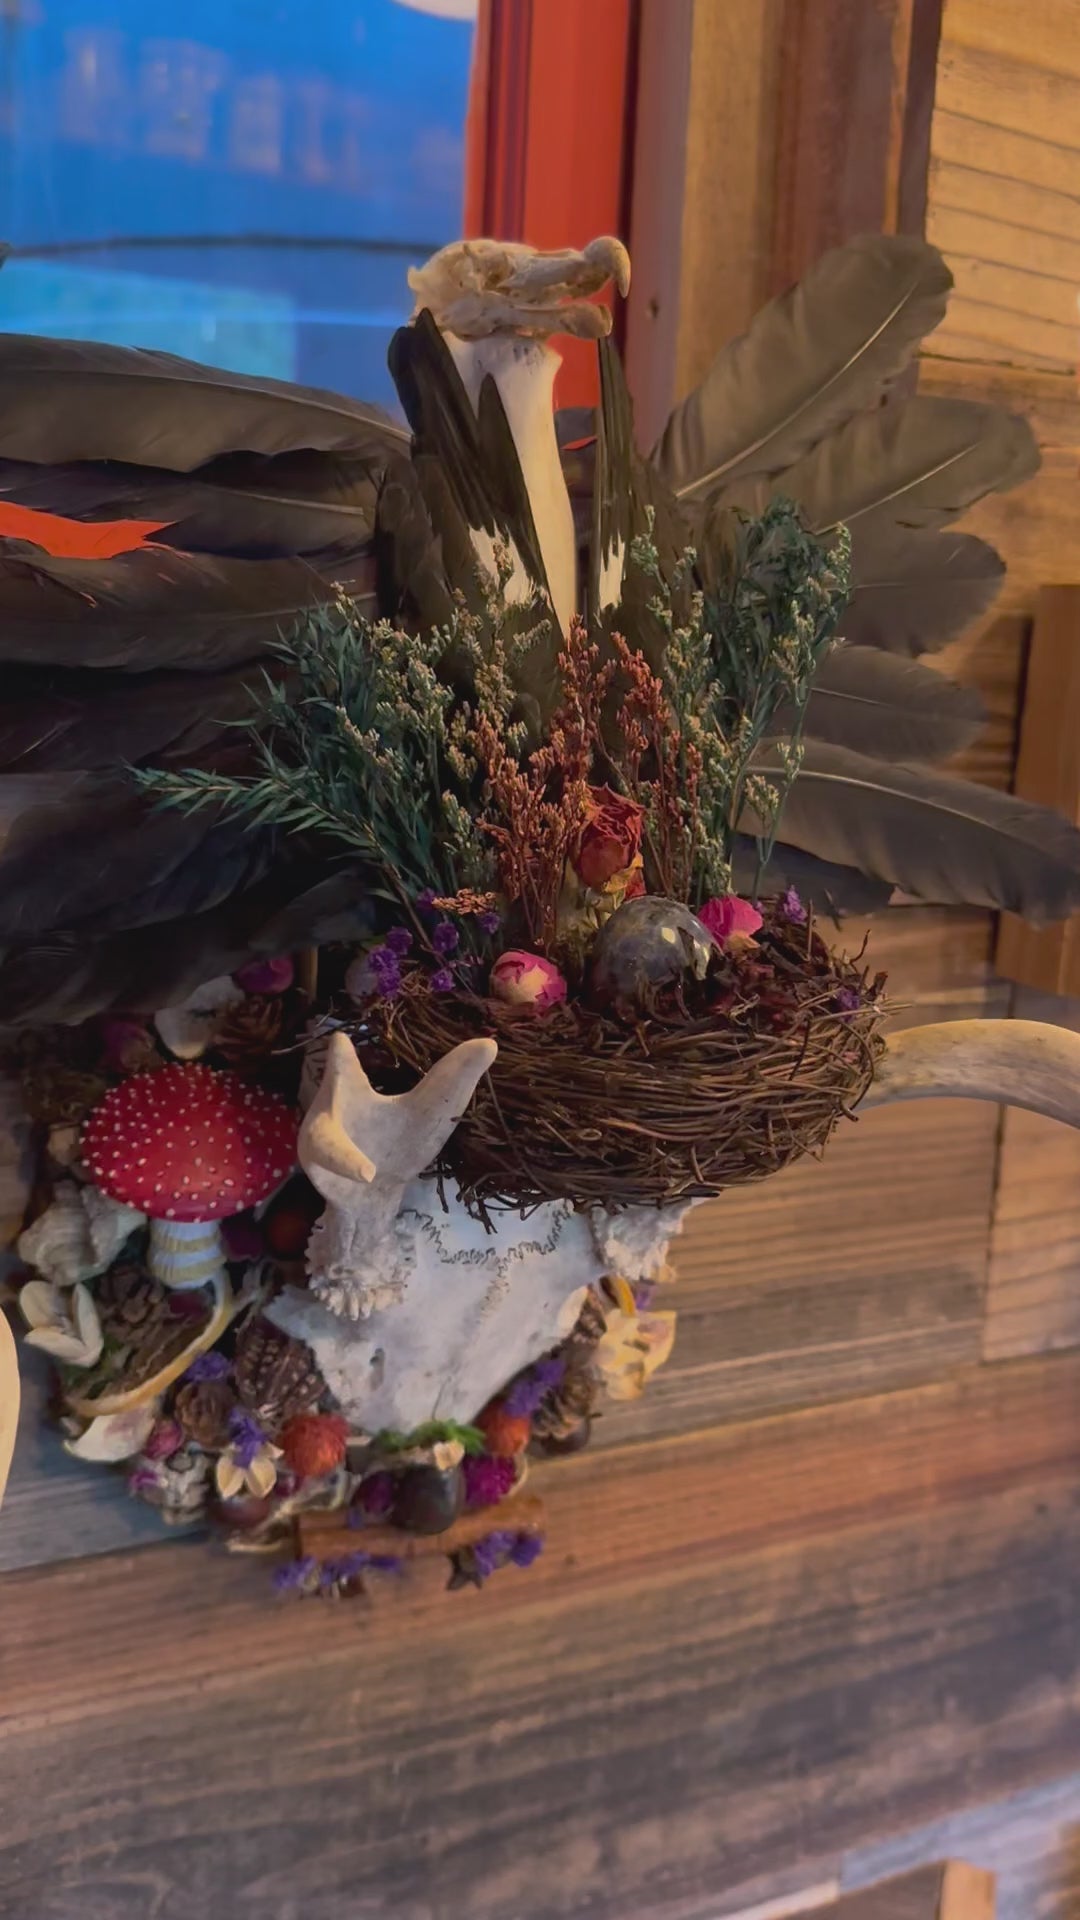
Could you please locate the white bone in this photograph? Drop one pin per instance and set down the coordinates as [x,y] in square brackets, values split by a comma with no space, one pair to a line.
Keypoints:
[1019,1063]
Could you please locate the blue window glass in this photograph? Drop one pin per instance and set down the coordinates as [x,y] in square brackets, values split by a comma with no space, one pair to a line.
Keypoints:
[241,181]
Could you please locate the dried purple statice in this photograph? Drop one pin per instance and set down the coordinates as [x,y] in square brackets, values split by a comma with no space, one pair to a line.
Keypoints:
[247,1437]
[443,981]
[446,939]
[792,907]
[489,923]
[526,1548]
[399,940]
[847,999]
[209,1366]
[487,1480]
[530,1390]
[298,1576]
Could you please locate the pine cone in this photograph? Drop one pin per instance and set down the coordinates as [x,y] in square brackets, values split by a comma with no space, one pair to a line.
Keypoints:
[203,1408]
[571,1403]
[129,1299]
[276,1376]
[53,1092]
[249,1030]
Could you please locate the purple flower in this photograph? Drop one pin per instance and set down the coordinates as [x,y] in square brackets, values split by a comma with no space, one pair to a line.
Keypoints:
[296,1576]
[399,940]
[489,922]
[847,999]
[531,1389]
[385,969]
[426,901]
[644,1295]
[209,1366]
[443,981]
[492,1551]
[374,1499]
[526,1548]
[792,907]
[446,939]
[487,1480]
[353,1566]
[247,1437]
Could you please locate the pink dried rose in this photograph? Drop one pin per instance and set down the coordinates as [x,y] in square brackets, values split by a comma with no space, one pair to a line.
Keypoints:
[610,837]
[728,917]
[266,976]
[166,1438]
[527,980]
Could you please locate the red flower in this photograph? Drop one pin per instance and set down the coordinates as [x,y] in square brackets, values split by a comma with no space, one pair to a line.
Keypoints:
[610,838]
[728,917]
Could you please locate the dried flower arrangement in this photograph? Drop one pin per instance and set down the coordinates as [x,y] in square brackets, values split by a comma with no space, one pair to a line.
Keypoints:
[514,895]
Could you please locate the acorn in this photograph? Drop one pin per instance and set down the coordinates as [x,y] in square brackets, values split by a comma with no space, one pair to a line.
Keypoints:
[428,1499]
[313,1444]
[504,1433]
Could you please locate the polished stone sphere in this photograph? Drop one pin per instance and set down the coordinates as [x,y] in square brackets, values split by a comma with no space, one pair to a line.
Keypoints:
[649,944]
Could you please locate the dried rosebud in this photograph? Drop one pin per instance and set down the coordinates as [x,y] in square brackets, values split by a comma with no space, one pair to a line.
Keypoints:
[728,917]
[166,1438]
[610,837]
[266,976]
[129,1046]
[527,980]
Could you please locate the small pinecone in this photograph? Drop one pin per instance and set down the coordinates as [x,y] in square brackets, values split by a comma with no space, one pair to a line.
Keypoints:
[250,1029]
[53,1092]
[564,1410]
[128,1299]
[203,1408]
[275,1375]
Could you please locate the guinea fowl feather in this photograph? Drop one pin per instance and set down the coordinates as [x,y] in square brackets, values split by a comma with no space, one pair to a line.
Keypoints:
[71,400]
[807,363]
[940,838]
[887,707]
[154,607]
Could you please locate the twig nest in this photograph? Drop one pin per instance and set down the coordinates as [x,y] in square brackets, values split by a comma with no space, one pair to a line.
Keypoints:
[649,945]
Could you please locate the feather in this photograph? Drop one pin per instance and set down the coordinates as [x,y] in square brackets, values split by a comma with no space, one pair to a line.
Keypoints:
[59,720]
[808,362]
[912,592]
[915,464]
[70,400]
[942,839]
[96,860]
[627,494]
[888,708]
[831,889]
[152,608]
[318,504]
[473,452]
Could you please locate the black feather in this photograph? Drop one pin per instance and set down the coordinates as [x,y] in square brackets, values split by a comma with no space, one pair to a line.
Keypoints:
[888,708]
[154,608]
[942,839]
[60,720]
[916,463]
[808,362]
[244,505]
[912,592]
[70,400]
[829,888]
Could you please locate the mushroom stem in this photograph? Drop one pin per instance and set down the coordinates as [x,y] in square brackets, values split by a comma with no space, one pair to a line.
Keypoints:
[186,1253]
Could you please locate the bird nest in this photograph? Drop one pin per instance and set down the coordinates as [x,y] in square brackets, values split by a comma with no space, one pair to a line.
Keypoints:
[585,1107]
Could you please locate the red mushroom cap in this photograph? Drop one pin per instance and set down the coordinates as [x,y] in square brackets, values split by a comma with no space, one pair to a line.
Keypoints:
[187,1143]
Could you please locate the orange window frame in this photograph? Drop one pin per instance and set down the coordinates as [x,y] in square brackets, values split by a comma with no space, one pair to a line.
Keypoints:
[548,148]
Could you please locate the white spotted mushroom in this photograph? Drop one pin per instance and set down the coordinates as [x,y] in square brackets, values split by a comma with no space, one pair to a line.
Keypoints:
[189,1147]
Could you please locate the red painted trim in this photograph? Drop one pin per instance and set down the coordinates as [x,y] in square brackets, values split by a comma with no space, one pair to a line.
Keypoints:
[550,134]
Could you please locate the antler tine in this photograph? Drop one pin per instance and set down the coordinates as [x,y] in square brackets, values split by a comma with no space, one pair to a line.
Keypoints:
[1017,1063]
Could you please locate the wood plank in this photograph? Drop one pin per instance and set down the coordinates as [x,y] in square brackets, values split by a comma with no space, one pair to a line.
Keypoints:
[1033,1284]
[946,1890]
[1042,36]
[1007,93]
[864,1613]
[1048,772]
[1028,1842]
[1000,154]
[1048,215]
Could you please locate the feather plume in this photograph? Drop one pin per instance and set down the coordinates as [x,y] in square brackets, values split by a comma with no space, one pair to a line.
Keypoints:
[916,463]
[153,608]
[888,707]
[243,505]
[70,400]
[832,889]
[54,719]
[912,592]
[808,362]
[942,839]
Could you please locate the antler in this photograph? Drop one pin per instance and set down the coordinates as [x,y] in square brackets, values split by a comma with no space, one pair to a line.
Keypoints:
[1018,1063]
[361,1149]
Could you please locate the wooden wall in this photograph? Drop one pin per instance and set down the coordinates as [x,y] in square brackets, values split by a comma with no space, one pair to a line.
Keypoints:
[808,1613]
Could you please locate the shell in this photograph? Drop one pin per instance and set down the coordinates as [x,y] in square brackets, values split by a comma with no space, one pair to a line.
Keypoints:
[78,1236]
[189,1028]
[276,1376]
[66,1326]
[114,1436]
